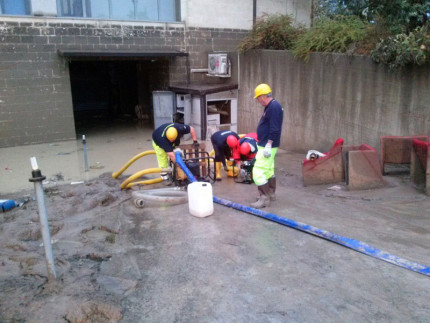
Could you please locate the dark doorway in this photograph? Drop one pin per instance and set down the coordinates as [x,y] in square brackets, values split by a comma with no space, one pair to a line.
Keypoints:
[108,92]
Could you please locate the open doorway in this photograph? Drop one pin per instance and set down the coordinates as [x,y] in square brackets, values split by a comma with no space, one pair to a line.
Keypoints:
[108,94]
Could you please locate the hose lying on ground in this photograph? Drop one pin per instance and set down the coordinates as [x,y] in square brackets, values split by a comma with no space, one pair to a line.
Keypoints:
[344,241]
[159,197]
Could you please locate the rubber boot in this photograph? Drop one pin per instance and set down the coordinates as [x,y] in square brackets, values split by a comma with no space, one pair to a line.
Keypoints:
[272,188]
[218,171]
[264,200]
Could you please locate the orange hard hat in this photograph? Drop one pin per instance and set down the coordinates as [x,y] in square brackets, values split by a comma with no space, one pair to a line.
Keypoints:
[232,141]
[245,149]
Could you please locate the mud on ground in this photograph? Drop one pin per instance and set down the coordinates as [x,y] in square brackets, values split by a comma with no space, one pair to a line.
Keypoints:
[115,262]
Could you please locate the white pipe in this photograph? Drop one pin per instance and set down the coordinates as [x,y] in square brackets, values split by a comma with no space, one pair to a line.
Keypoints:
[199,70]
[37,180]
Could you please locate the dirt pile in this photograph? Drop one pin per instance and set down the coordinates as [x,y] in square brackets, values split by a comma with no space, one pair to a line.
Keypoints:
[84,223]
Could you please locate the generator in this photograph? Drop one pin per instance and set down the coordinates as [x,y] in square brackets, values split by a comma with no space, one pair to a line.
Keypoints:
[245,172]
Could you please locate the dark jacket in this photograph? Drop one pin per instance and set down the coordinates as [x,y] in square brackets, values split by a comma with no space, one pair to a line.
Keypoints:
[270,125]
[159,135]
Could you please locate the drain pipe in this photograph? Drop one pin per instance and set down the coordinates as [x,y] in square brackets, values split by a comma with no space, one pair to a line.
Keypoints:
[84,142]
[37,179]
[344,241]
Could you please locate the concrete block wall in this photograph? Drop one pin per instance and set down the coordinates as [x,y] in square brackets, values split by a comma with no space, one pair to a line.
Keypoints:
[333,96]
[35,95]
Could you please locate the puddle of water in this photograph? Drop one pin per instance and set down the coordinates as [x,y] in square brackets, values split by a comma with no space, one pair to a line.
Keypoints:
[107,151]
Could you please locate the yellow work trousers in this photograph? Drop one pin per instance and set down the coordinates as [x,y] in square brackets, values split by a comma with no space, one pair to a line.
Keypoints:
[264,168]
[162,158]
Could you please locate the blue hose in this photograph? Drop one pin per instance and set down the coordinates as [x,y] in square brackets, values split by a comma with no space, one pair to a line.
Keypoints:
[344,241]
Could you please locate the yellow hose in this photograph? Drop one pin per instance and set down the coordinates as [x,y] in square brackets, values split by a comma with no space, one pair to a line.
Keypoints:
[140,174]
[131,161]
[147,182]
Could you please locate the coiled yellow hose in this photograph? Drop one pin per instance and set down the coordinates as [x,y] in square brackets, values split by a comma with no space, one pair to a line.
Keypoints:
[131,161]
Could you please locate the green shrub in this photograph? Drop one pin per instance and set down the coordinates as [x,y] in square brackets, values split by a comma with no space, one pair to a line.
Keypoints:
[402,16]
[404,49]
[271,32]
[331,35]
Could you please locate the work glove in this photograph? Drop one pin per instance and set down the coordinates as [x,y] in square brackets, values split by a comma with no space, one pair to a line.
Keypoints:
[196,144]
[267,152]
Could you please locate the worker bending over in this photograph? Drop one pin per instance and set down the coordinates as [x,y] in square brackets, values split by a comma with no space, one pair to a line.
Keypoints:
[166,138]
[248,146]
[226,145]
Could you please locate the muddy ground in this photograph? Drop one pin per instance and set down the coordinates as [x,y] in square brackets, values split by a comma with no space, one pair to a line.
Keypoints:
[118,263]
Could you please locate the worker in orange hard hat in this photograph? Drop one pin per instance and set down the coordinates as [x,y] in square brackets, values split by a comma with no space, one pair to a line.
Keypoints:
[226,145]
[248,146]
[269,137]
[164,140]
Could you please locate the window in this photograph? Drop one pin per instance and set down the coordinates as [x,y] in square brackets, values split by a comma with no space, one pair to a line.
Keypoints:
[71,8]
[15,7]
[149,10]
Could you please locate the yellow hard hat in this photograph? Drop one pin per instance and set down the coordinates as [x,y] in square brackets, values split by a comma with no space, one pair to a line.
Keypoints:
[262,89]
[172,134]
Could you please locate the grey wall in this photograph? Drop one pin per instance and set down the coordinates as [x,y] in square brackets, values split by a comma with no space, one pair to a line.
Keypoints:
[35,95]
[334,96]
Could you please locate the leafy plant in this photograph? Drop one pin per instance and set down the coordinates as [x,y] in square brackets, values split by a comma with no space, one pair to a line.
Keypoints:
[404,49]
[331,35]
[400,15]
[271,32]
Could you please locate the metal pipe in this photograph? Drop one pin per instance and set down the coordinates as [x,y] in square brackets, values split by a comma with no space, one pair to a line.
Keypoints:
[85,152]
[344,241]
[37,179]
[199,70]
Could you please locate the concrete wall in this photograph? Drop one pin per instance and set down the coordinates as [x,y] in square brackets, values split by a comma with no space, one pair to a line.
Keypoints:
[334,96]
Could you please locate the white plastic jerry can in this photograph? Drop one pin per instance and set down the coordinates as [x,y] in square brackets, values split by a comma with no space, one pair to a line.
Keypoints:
[200,199]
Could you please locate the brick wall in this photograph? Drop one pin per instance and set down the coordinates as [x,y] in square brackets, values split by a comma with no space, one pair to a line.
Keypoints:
[35,96]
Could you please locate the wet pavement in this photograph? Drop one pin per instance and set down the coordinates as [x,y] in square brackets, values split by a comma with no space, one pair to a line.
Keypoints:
[236,267]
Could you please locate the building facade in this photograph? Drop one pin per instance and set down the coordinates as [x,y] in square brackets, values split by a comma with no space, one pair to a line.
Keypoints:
[61,60]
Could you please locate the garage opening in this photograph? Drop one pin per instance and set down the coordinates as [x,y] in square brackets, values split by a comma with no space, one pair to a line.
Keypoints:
[114,89]
[105,93]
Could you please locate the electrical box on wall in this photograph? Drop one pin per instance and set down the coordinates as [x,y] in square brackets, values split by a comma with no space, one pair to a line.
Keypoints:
[218,65]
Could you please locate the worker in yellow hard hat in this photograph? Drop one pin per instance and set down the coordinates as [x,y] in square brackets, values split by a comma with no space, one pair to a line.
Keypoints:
[166,138]
[269,137]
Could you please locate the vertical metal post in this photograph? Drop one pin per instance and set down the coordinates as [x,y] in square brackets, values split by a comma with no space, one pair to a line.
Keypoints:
[85,152]
[37,179]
